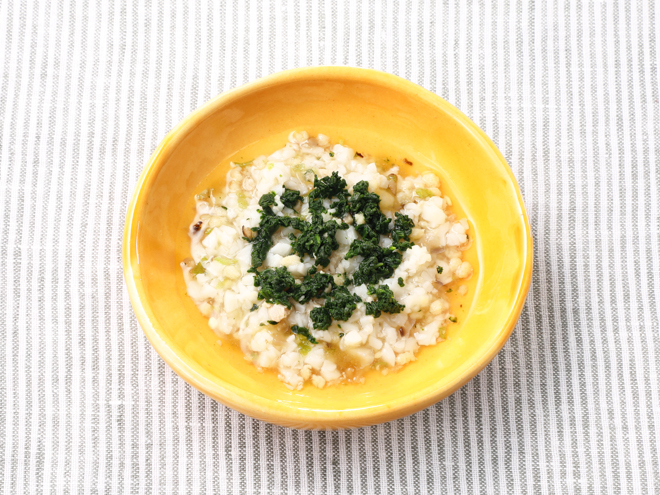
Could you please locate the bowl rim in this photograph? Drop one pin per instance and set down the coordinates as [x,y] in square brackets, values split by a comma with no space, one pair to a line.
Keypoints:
[253,404]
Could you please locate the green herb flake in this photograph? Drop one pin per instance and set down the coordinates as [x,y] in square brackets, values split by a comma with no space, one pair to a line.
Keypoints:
[244,164]
[439,269]
[290,198]
[453,319]
[254,308]
[341,335]
[385,302]
[225,261]
[332,154]
[208,231]
[400,282]
[303,332]
[198,269]
[271,322]
[424,193]
[303,345]
[242,200]
[443,333]
[449,290]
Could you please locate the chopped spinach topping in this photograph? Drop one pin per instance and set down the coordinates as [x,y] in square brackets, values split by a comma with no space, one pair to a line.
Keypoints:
[385,302]
[366,203]
[339,305]
[439,269]
[317,239]
[271,322]
[254,307]
[403,226]
[379,263]
[276,285]
[303,332]
[314,285]
[263,240]
[290,198]
[267,201]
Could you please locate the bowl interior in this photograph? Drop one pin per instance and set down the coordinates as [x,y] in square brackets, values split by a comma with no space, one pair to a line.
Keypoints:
[377,113]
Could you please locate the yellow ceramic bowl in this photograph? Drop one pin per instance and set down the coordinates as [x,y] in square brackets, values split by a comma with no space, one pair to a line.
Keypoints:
[371,111]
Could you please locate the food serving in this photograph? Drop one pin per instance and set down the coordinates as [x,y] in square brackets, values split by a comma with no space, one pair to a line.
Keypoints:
[323,262]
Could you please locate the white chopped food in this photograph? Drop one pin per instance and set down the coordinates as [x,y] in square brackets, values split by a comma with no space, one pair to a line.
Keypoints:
[359,318]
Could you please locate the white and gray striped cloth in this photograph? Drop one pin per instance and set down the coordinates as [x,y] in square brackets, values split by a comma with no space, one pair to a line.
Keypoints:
[569,92]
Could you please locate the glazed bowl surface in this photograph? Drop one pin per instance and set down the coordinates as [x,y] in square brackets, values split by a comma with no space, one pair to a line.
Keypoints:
[375,112]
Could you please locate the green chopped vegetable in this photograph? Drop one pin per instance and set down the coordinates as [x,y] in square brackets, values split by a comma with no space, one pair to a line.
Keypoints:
[332,154]
[254,308]
[244,164]
[208,231]
[276,285]
[439,269]
[317,239]
[271,322]
[198,269]
[225,261]
[341,334]
[403,226]
[424,193]
[453,319]
[303,345]
[385,302]
[443,333]
[339,305]
[242,200]
[314,285]
[303,332]
[379,263]
[400,282]
[290,198]
[449,290]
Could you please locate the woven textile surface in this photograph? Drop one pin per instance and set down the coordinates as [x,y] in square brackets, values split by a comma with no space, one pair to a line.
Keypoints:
[568,90]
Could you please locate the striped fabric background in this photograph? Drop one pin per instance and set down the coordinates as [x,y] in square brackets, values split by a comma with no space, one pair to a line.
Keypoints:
[567,89]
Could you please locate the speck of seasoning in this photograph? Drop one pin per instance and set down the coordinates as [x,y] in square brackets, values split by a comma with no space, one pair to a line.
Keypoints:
[224,207]
[339,326]
[262,324]
[401,331]
[254,307]
[449,290]
[439,269]
[341,335]
[400,281]
[271,322]
[197,226]
[407,162]
[357,153]
[453,319]
[332,154]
